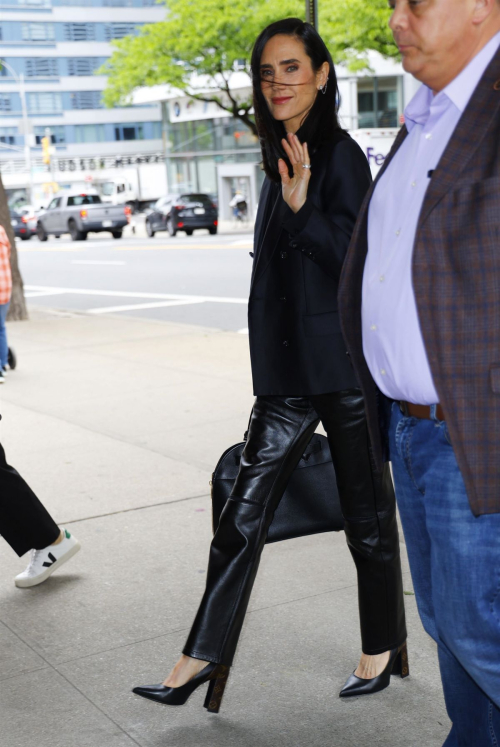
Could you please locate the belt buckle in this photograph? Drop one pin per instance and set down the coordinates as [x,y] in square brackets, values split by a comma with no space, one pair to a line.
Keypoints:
[403,406]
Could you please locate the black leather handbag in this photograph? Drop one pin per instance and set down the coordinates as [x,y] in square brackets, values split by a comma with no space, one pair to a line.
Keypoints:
[310,504]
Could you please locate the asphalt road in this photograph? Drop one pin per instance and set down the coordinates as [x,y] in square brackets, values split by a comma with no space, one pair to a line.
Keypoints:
[200,279]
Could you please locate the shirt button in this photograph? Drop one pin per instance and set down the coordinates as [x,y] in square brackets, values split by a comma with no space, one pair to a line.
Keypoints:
[383,371]
[286,343]
[398,232]
[381,278]
[374,326]
[428,136]
[284,255]
[414,184]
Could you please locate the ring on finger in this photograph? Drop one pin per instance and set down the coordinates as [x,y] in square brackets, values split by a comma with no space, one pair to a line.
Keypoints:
[306,165]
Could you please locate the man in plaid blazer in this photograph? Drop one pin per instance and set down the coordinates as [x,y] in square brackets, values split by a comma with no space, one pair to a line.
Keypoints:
[420,309]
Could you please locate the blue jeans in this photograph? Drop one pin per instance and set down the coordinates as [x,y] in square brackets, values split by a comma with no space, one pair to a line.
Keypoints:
[4,348]
[455,565]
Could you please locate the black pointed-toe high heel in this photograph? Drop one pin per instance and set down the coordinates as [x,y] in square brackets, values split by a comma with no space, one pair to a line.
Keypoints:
[397,664]
[215,674]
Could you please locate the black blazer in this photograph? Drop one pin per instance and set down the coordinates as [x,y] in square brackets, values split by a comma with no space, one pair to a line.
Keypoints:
[296,344]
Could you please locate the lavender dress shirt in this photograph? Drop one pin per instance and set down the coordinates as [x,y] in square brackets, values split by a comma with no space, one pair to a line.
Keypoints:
[392,339]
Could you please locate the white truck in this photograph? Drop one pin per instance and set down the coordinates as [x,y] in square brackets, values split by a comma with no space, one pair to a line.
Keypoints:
[376,144]
[138,186]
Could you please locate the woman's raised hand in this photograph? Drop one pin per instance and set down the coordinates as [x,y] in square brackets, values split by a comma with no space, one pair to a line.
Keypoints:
[295,188]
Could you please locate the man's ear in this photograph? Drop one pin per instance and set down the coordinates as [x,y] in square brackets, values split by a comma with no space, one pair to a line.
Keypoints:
[483,9]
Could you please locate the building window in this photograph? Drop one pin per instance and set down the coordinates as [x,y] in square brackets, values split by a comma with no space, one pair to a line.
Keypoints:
[41,67]
[129,132]
[26,3]
[8,135]
[5,102]
[79,32]
[37,32]
[45,103]
[105,3]
[57,134]
[83,65]
[86,100]
[119,30]
[90,133]
[378,102]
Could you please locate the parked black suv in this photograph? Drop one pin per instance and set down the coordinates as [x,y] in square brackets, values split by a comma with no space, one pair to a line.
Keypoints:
[182,213]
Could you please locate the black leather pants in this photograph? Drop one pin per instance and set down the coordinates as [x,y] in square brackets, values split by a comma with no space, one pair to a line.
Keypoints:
[24,522]
[280,429]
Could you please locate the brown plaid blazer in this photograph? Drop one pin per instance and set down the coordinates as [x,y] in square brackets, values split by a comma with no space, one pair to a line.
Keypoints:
[456,278]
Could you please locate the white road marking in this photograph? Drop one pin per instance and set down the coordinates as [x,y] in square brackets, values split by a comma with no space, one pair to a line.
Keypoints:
[39,294]
[162,299]
[50,249]
[178,247]
[138,306]
[96,262]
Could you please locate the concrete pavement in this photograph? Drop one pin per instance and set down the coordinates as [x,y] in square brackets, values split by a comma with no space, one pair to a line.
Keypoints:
[117,424]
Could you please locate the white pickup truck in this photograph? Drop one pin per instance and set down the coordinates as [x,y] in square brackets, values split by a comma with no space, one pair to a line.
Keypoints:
[79,214]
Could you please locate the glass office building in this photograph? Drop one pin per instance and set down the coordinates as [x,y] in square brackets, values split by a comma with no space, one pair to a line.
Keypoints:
[56,46]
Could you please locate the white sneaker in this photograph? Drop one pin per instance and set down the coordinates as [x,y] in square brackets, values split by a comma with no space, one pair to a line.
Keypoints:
[44,562]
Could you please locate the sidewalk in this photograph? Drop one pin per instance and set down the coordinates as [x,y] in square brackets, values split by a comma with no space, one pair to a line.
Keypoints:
[117,424]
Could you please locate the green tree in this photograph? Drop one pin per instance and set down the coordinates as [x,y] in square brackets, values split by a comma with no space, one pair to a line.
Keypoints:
[201,42]
[351,28]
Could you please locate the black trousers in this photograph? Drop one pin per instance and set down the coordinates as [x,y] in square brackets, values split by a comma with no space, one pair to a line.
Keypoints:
[280,429]
[24,523]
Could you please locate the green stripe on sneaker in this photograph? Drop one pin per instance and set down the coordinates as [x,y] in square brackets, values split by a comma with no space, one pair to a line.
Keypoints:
[68,535]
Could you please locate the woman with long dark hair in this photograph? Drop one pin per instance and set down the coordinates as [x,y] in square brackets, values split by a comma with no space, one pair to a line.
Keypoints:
[316,180]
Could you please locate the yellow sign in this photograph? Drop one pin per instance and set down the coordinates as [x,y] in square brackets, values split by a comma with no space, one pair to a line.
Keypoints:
[46,149]
[50,187]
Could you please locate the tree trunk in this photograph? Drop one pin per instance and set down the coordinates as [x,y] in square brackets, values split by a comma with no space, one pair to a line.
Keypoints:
[17,308]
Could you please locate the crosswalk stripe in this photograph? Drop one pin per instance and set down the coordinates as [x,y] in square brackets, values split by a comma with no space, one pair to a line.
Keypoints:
[133,294]
[139,306]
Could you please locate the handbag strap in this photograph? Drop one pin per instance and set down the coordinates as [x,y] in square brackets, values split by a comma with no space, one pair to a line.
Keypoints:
[245,435]
[312,448]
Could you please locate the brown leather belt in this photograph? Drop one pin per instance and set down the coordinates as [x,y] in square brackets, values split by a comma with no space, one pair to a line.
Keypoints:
[420,411]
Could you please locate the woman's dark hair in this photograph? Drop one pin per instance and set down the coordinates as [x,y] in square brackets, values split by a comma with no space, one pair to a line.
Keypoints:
[321,121]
